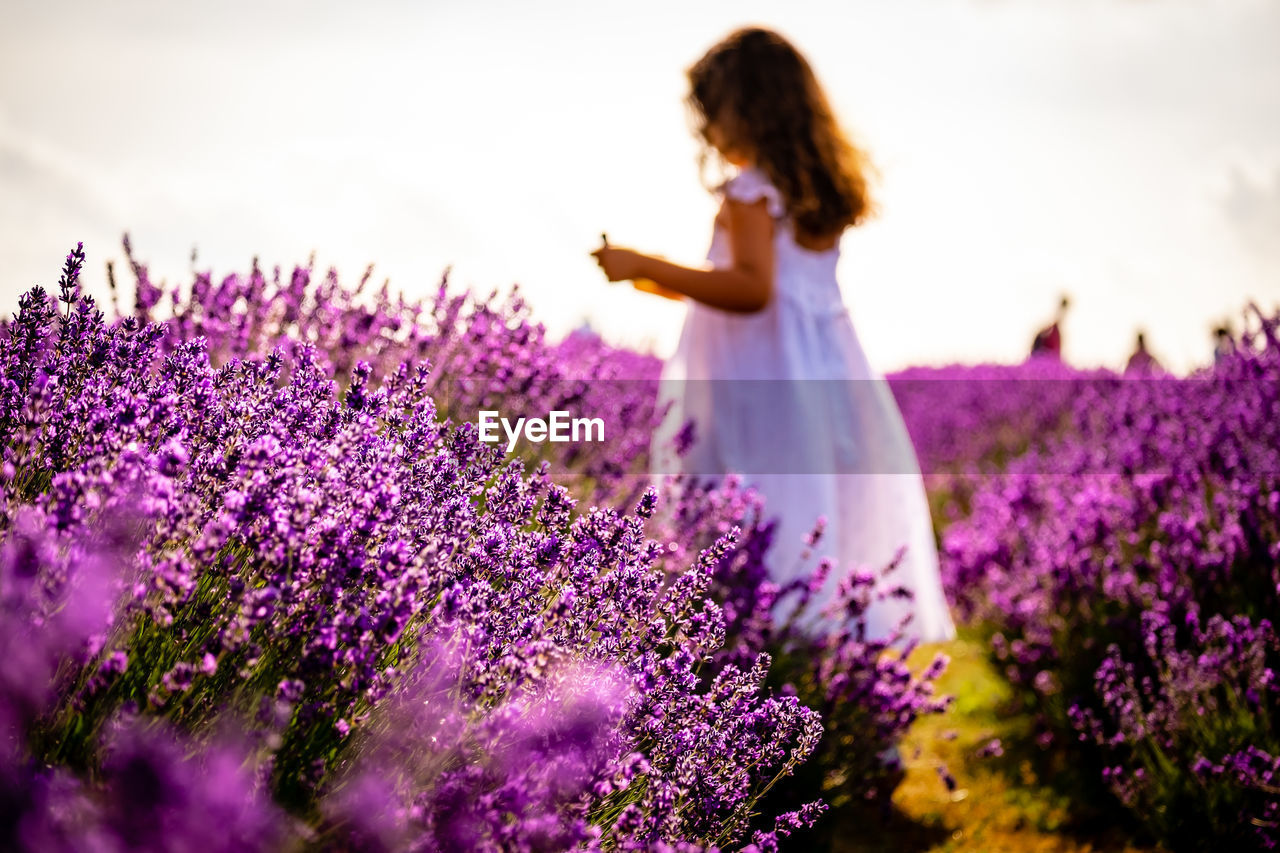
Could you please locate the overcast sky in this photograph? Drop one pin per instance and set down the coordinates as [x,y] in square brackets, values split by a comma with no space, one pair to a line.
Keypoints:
[1126,152]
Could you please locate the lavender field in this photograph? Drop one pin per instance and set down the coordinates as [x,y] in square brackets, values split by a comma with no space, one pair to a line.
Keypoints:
[263,588]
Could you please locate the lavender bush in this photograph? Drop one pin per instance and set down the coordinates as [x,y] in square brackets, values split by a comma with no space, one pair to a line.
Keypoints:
[1127,571]
[975,419]
[866,693]
[316,588]
[969,422]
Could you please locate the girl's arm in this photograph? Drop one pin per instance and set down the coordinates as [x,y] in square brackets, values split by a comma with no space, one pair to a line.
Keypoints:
[745,287]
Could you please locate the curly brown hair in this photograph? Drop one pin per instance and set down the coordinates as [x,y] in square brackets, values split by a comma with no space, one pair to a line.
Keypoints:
[759,92]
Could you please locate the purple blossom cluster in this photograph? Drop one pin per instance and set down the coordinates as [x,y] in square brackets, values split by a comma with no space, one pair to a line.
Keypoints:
[1178,703]
[974,419]
[482,352]
[968,422]
[263,581]
[1127,570]
[863,688]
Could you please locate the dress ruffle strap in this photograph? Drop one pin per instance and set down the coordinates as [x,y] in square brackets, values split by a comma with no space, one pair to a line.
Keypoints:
[749,186]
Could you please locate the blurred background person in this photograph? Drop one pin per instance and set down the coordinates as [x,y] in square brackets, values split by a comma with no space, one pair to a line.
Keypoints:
[1223,345]
[1048,341]
[1142,361]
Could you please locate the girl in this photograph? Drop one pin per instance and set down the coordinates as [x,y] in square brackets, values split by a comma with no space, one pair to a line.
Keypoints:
[768,365]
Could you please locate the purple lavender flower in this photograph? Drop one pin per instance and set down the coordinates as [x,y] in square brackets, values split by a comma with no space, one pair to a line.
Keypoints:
[320,551]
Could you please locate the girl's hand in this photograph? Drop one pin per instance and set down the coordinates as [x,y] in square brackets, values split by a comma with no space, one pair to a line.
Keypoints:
[619,264]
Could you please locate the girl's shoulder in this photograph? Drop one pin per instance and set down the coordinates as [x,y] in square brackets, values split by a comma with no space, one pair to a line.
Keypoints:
[750,185]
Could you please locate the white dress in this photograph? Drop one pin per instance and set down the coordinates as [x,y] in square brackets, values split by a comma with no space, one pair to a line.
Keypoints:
[785,397]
